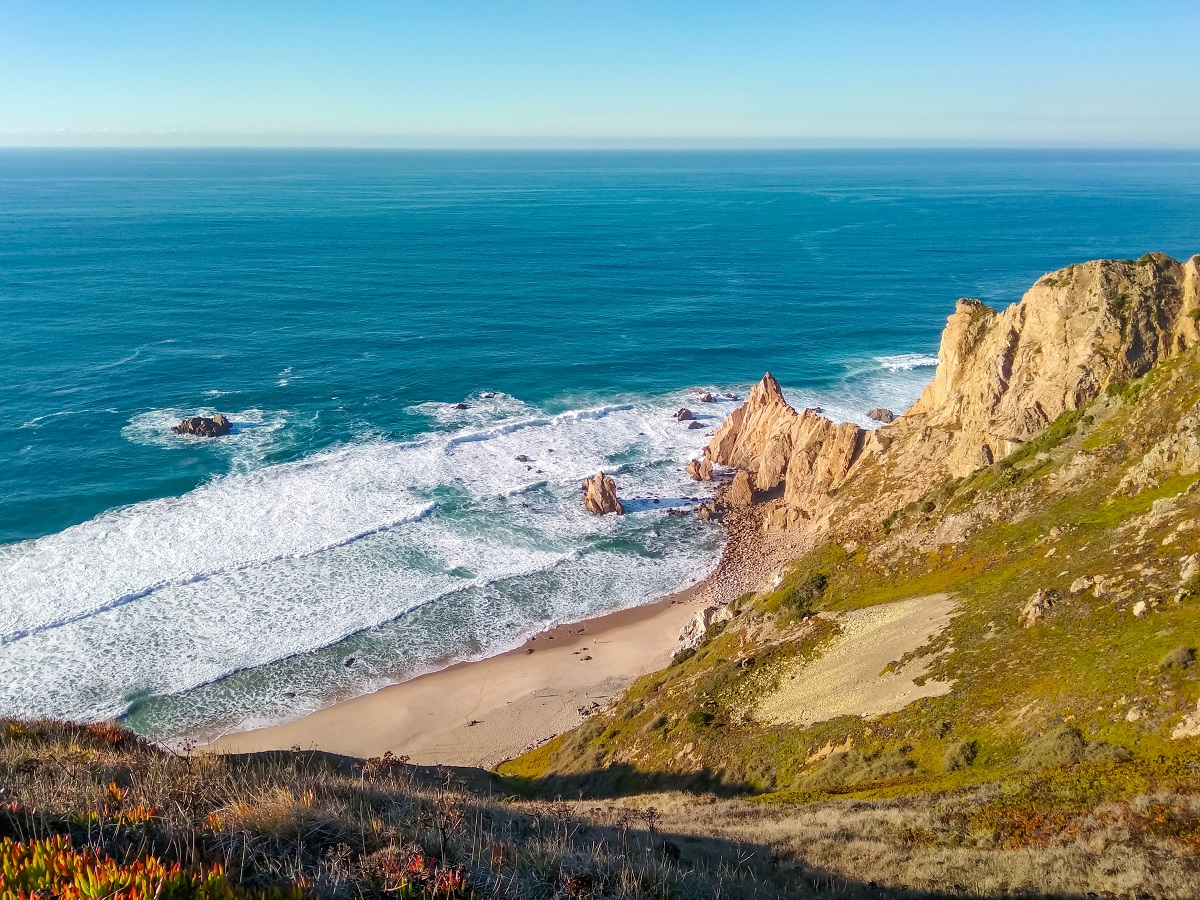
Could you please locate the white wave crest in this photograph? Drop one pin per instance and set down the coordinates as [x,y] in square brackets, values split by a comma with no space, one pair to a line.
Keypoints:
[260,566]
[905,362]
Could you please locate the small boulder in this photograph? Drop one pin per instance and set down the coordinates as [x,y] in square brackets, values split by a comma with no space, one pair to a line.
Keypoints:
[740,494]
[700,469]
[707,398]
[1081,584]
[1036,607]
[1189,726]
[693,633]
[879,414]
[523,458]
[461,406]
[684,415]
[1140,609]
[707,512]
[202,426]
[692,426]
[600,495]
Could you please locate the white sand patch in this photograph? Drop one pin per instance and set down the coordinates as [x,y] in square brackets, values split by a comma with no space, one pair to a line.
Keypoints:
[845,679]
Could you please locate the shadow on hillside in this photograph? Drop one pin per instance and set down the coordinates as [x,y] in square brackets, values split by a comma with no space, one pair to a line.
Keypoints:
[605,840]
[622,780]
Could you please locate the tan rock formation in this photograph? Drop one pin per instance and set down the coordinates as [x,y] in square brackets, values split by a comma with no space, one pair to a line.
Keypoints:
[740,494]
[700,469]
[881,414]
[600,495]
[1002,378]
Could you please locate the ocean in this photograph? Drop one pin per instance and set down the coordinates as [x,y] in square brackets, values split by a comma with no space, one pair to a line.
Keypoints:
[359,527]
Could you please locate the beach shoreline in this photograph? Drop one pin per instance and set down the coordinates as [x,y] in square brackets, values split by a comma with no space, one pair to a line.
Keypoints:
[482,712]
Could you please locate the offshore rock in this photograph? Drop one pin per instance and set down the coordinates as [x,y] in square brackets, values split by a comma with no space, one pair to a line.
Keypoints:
[600,495]
[203,426]
[881,414]
[700,469]
[684,415]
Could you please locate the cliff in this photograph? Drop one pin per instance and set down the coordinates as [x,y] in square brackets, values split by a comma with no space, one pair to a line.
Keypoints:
[1002,378]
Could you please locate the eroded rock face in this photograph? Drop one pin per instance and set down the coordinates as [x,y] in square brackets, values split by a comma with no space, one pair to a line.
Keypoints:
[203,426]
[1002,378]
[700,469]
[740,494]
[692,634]
[600,495]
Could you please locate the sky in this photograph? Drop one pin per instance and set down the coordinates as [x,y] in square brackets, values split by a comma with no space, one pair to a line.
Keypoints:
[560,73]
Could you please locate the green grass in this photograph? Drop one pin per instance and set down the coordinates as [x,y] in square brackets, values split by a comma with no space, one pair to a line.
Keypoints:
[1080,671]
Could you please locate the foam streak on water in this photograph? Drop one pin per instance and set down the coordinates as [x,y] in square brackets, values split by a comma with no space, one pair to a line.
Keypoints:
[163,597]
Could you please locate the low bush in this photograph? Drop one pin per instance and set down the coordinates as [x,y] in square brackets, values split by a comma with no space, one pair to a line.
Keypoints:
[959,755]
[1065,746]
[1179,658]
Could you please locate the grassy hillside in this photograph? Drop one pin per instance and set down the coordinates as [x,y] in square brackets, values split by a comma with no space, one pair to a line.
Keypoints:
[1044,727]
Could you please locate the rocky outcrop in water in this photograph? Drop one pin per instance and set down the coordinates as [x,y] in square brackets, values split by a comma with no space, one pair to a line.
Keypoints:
[1002,378]
[700,469]
[600,495]
[882,414]
[684,415]
[203,426]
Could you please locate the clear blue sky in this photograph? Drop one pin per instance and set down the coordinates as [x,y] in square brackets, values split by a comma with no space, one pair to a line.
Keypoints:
[598,74]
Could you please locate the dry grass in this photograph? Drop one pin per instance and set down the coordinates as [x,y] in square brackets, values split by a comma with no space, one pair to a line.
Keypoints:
[341,827]
[954,845]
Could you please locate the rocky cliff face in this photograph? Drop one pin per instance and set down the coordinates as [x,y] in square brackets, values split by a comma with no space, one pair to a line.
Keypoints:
[1002,378]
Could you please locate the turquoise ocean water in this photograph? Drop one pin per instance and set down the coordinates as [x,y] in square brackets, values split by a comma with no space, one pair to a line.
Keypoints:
[357,528]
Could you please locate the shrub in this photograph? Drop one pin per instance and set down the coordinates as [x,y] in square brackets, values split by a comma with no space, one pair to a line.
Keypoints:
[854,767]
[698,718]
[656,724]
[683,655]
[1065,746]
[959,755]
[1179,658]
[801,596]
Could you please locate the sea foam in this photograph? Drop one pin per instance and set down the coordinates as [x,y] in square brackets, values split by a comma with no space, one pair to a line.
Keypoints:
[253,568]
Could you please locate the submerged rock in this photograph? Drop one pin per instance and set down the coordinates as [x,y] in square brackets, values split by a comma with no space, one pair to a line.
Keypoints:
[600,495]
[203,426]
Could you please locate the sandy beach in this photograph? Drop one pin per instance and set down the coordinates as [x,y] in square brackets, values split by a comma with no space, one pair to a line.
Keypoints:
[482,713]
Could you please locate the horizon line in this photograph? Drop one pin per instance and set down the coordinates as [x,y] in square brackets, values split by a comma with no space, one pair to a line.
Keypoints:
[649,146]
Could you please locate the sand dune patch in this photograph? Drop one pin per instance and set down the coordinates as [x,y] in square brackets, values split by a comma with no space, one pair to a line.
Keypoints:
[848,678]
